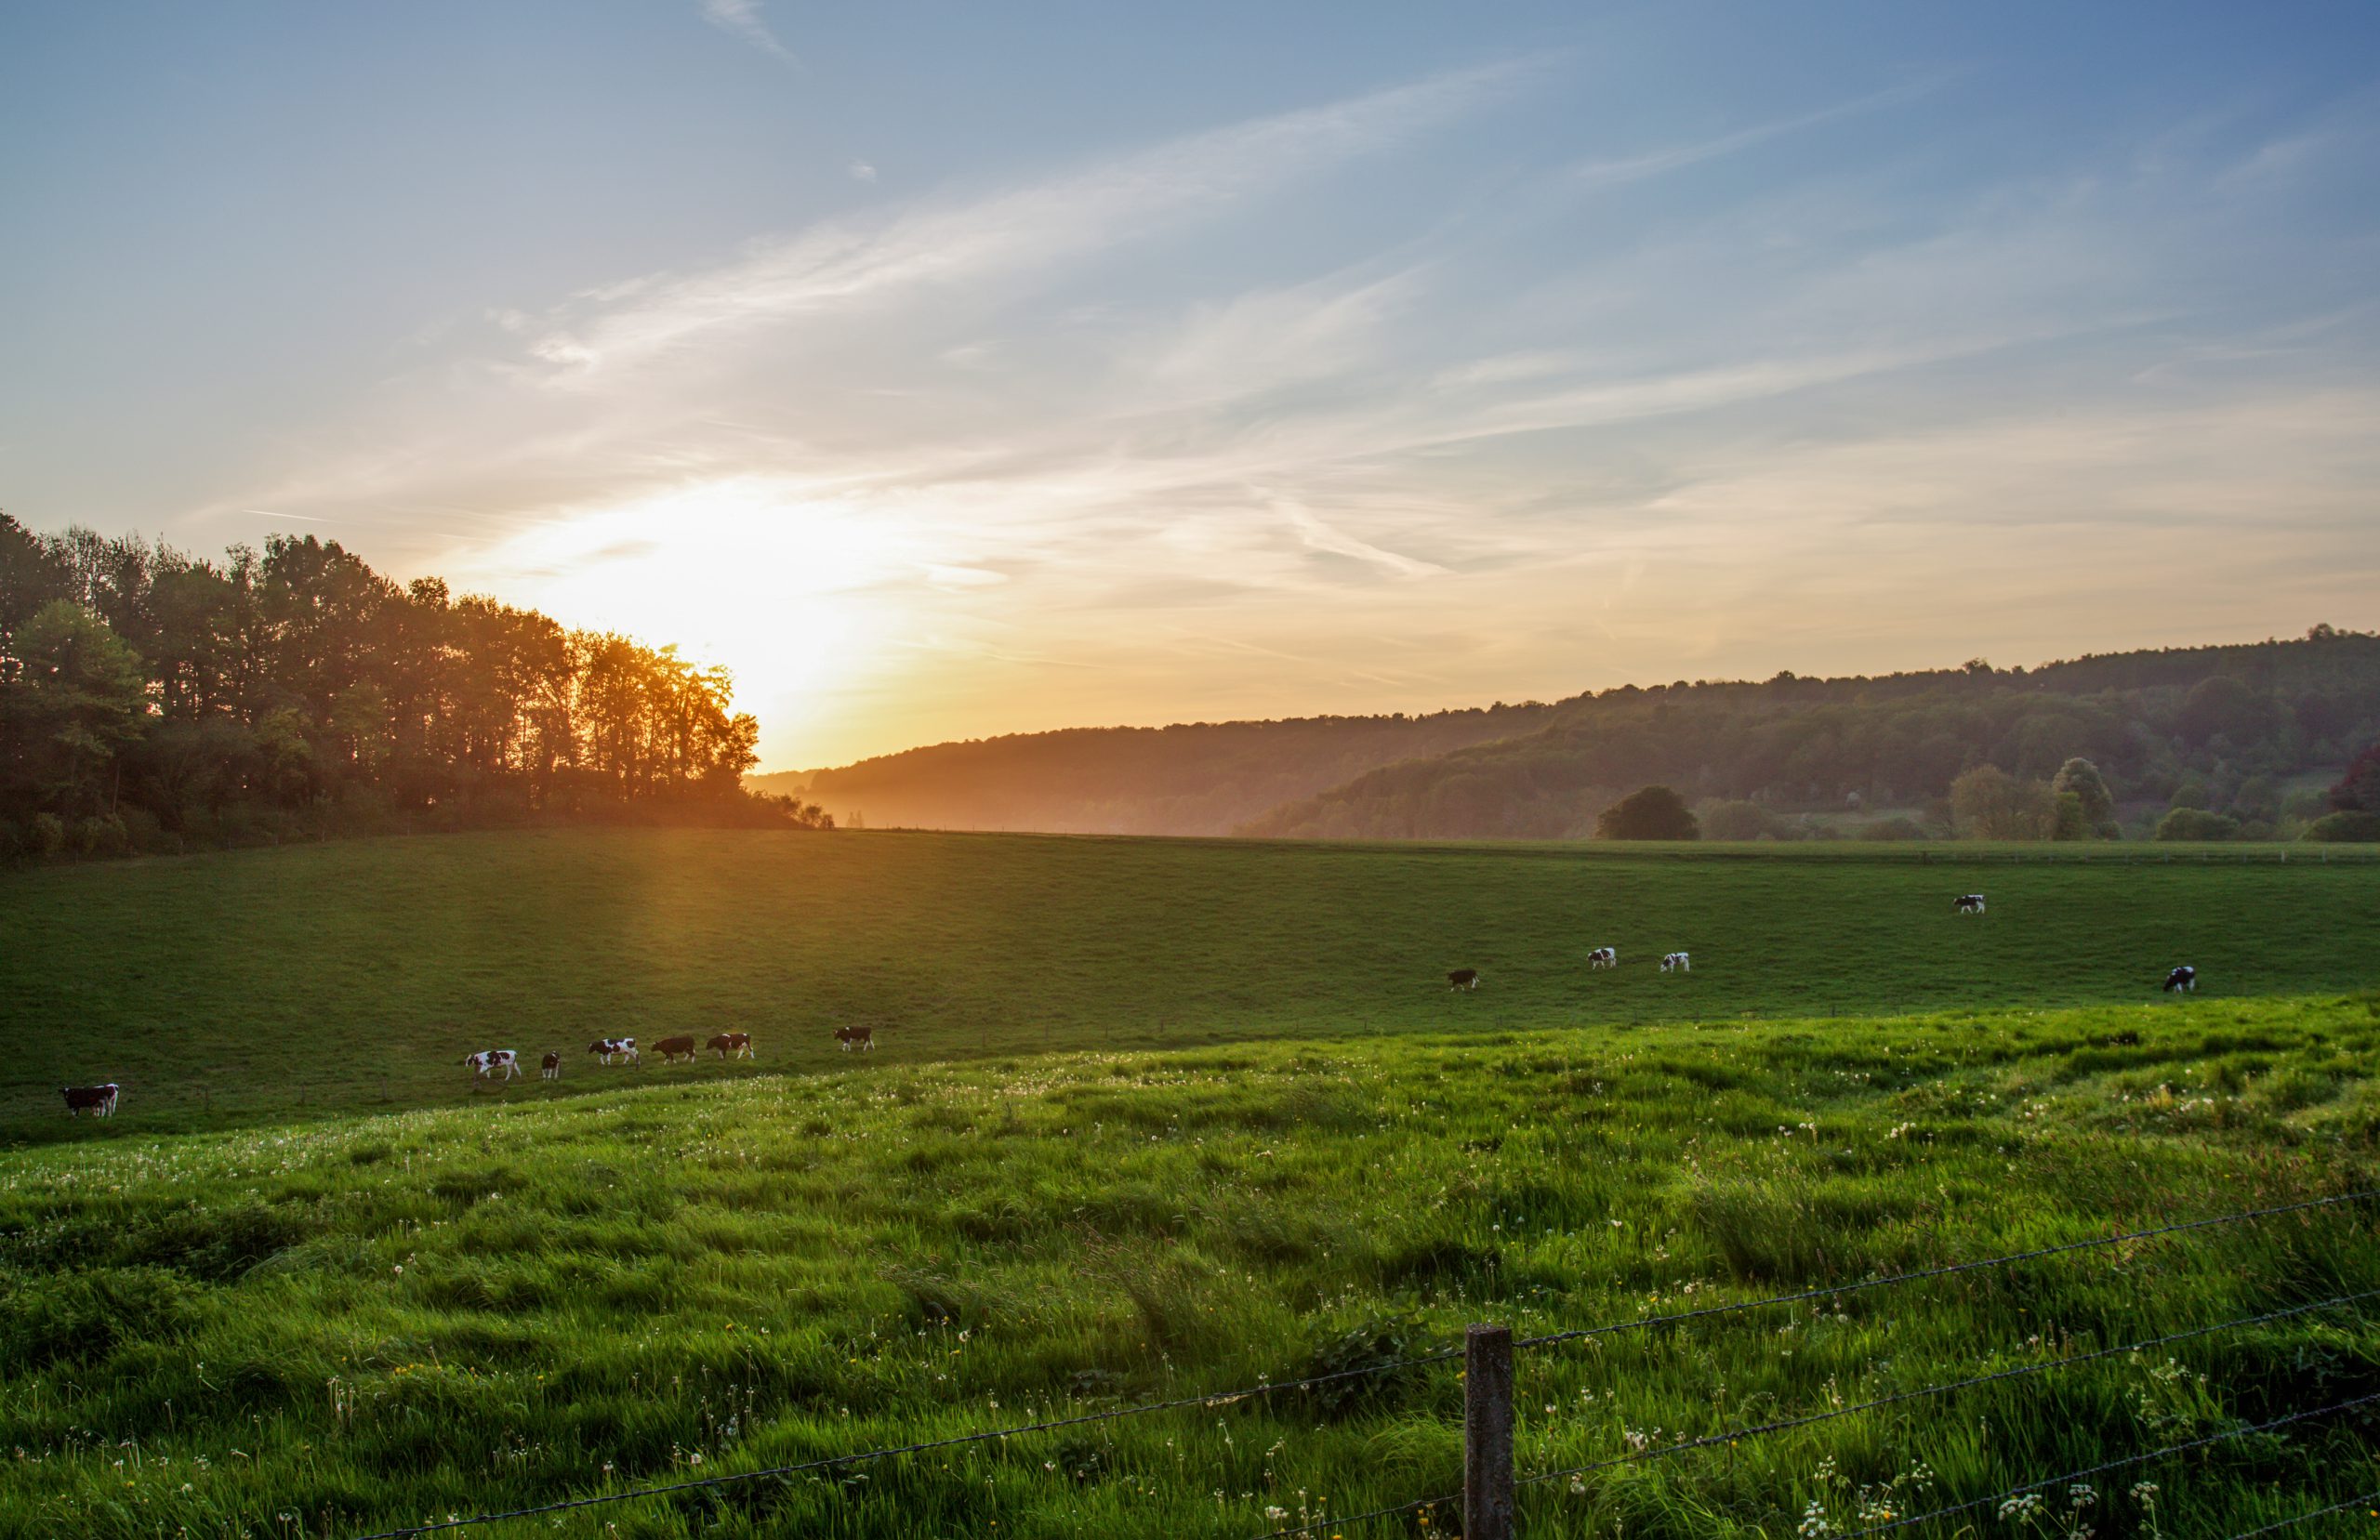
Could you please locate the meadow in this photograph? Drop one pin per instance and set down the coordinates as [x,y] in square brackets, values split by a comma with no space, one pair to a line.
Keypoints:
[1157,1119]
[263,986]
[360,1321]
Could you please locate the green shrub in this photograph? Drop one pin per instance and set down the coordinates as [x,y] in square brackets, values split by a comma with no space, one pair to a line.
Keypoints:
[1654,812]
[2359,828]
[2194,824]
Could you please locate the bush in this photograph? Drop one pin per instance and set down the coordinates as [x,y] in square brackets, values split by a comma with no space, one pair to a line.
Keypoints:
[100,836]
[2193,823]
[1655,813]
[1988,803]
[2356,828]
[46,834]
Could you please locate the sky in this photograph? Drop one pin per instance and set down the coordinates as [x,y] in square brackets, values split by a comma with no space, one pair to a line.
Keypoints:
[948,371]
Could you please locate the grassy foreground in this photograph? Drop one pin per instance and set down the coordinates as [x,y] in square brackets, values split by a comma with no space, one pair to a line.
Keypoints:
[261,985]
[359,1322]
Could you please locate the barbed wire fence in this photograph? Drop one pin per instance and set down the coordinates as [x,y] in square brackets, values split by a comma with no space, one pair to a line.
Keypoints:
[1491,1483]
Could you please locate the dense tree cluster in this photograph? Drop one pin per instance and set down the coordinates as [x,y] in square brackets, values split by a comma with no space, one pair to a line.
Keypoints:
[2218,730]
[1652,813]
[150,699]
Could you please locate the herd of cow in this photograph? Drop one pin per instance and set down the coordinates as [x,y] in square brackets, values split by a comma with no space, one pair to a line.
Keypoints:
[505,1063]
[502,1064]
[2182,979]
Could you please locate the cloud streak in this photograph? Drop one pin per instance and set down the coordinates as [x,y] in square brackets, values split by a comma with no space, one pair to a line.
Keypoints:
[743,19]
[845,266]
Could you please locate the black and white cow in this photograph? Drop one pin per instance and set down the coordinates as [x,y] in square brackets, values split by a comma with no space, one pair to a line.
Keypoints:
[1463,977]
[1604,957]
[1677,961]
[1968,904]
[2182,980]
[551,1068]
[614,1049]
[497,1064]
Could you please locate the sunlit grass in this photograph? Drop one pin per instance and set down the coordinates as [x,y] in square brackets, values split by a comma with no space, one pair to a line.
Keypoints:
[262,985]
[369,1319]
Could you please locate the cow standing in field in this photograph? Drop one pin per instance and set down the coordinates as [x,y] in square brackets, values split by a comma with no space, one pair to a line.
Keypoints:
[736,1042]
[856,1037]
[1463,977]
[1968,904]
[551,1068]
[2182,980]
[500,1063]
[609,1050]
[1604,957]
[671,1049]
[1677,961]
[100,1099]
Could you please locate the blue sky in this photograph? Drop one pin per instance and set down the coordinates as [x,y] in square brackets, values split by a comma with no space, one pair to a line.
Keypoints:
[949,371]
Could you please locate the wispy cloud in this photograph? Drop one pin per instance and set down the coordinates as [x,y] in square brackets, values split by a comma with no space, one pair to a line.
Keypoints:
[1026,231]
[1614,171]
[743,19]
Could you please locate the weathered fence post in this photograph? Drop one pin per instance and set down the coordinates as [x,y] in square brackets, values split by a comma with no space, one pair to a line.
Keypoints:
[1488,1433]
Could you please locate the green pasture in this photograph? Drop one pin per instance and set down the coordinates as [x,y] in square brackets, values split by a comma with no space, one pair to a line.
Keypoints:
[256,986]
[356,1321]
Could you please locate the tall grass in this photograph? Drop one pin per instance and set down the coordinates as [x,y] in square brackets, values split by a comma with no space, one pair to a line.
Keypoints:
[369,1319]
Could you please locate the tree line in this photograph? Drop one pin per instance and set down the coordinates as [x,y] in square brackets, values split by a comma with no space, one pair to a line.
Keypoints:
[154,700]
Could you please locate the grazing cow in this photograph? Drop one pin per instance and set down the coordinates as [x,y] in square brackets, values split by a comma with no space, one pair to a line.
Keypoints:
[502,1064]
[856,1037]
[100,1099]
[1677,961]
[2182,979]
[671,1049]
[608,1049]
[552,1066]
[737,1042]
[1604,957]
[1463,977]
[1968,904]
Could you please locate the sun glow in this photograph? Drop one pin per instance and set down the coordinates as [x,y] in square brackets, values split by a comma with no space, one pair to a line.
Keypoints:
[798,593]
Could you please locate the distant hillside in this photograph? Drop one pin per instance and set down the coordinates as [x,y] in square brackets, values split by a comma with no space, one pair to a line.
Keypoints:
[780,783]
[1202,778]
[2223,728]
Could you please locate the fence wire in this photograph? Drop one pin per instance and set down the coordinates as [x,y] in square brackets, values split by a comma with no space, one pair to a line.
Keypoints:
[1226,1398]
[1946,1270]
[2103,1469]
[2018,1372]
[2363,1501]
[1214,1399]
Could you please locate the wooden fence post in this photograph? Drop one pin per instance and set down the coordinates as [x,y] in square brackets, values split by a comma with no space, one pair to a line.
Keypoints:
[1488,1433]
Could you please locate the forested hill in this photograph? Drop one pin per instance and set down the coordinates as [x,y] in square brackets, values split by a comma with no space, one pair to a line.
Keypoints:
[2219,728]
[1202,778]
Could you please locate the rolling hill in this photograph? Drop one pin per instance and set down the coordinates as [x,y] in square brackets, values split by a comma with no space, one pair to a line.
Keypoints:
[2236,728]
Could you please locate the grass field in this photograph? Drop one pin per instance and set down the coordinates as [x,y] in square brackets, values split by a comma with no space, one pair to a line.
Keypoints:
[365,1320]
[262,985]
[1158,1118]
